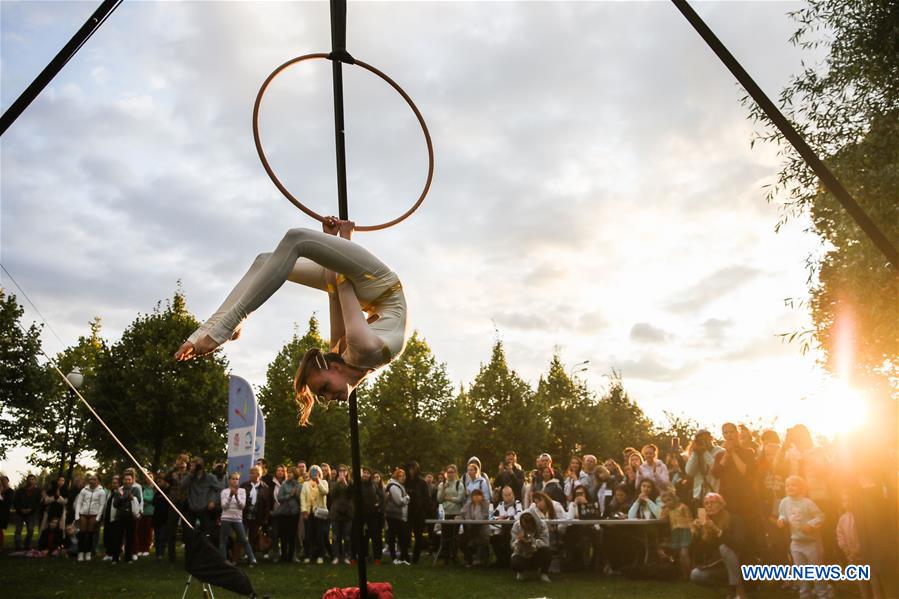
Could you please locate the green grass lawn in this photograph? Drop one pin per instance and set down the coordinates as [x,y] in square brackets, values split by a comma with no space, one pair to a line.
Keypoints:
[48,578]
[147,578]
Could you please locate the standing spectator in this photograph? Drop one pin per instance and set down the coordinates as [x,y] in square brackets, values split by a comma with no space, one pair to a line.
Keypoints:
[476,537]
[397,511]
[234,500]
[681,483]
[300,474]
[258,508]
[604,483]
[719,538]
[511,475]
[508,508]
[548,509]
[700,460]
[646,506]
[341,514]
[373,513]
[288,512]
[178,494]
[530,546]
[552,486]
[467,478]
[451,495]
[161,509]
[735,469]
[473,479]
[273,532]
[264,475]
[112,528]
[26,501]
[144,533]
[127,504]
[574,477]
[6,500]
[805,520]
[313,507]
[419,505]
[74,489]
[590,472]
[769,483]
[544,460]
[652,469]
[202,493]
[54,501]
[747,439]
[89,513]
[631,468]
[801,457]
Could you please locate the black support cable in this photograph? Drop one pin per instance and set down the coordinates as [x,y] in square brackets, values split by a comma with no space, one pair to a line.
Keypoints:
[826,177]
[338,56]
[59,61]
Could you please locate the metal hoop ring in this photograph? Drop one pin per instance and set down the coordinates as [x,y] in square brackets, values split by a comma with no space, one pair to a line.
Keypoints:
[290,196]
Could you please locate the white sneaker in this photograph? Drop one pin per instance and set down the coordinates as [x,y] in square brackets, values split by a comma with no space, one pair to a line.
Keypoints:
[107,558]
[335,561]
[519,577]
[319,560]
[544,578]
[306,561]
[346,560]
[87,557]
[80,557]
[145,554]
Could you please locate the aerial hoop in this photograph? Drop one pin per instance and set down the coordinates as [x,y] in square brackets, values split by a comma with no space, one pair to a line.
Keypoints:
[290,196]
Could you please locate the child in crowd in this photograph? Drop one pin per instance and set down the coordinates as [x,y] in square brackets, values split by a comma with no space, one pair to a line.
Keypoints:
[52,539]
[850,544]
[679,520]
[805,520]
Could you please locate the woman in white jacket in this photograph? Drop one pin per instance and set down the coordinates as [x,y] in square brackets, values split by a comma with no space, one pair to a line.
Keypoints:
[89,512]
[397,511]
[234,499]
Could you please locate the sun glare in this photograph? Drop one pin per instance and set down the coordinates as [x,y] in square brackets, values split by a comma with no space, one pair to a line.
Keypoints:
[835,409]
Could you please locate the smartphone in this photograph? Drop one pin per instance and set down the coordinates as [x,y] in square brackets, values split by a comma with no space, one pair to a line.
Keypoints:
[700,513]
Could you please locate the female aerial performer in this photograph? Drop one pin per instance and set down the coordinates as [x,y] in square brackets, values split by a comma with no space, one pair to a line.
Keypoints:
[355,280]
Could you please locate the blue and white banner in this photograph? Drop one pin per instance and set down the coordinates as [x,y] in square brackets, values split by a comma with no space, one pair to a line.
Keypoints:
[243,413]
[259,451]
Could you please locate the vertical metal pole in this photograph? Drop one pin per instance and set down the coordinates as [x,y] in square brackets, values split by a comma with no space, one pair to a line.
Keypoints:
[338,52]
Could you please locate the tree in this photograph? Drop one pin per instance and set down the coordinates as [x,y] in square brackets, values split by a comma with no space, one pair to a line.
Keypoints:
[23,381]
[325,438]
[58,436]
[163,406]
[848,111]
[502,413]
[622,422]
[408,412]
[573,413]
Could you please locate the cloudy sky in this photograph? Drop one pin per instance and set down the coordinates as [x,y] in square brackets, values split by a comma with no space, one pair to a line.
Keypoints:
[595,189]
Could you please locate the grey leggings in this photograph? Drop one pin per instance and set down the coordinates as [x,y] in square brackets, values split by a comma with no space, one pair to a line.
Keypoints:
[301,257]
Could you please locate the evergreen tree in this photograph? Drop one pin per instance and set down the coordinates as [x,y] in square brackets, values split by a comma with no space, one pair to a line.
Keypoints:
[408,412]
[502,414]
[622,422]
[573,413]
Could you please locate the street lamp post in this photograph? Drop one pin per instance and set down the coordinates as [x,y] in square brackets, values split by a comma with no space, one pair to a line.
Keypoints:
[578,368]
[76,379]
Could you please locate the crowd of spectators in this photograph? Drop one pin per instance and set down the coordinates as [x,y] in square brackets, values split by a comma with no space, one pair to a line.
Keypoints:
[711,508]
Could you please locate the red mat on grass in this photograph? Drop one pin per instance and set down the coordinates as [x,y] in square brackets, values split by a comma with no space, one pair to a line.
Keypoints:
[376,590]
